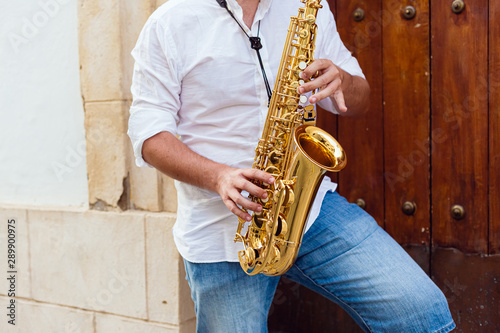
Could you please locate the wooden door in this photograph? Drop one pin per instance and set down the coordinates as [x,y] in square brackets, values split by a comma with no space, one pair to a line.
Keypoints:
[428,150]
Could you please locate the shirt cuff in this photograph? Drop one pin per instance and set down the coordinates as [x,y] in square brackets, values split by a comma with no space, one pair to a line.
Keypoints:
[144,124]
[352,67]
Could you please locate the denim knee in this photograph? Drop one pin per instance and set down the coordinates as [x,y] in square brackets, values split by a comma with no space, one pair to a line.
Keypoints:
[424,309]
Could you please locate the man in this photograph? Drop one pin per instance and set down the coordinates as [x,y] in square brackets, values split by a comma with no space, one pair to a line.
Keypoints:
[196,76]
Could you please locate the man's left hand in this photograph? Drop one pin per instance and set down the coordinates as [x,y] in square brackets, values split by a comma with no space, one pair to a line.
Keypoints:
[330,80]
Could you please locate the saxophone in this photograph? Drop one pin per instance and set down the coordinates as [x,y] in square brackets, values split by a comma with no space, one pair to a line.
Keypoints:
[295,152]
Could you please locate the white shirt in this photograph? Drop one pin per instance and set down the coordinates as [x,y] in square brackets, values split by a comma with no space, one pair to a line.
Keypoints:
[196,76]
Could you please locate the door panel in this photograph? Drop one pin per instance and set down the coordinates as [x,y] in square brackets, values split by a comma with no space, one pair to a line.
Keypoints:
[362,138]
[406,77]
[432,137]
[459,130]
[494,133]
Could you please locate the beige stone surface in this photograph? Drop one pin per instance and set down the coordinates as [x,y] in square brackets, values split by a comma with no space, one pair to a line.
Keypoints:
[189,326]
[168,193]
[169,299]
[90,260]
[100,50]
[32,317]
[150,190]
[107,155]
[144,187]
[158,3]
[108,323]
[108,31]
[133,15]
[20,246]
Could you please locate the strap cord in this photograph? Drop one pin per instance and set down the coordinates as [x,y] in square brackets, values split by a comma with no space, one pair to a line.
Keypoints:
[254,44]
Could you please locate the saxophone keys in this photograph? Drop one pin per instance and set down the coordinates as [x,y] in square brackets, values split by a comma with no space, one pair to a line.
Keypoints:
[282,226]
[286,118]
[304,33]
[290,196]
[303,99]
[276,254]
[311,19]
[274,157]
[284,194]
[241,223]
[266,200]
[269,227]
[256,242]
[274,171]
[291,104]
[258,220]
[302,65]
[309,115]
[266,203]
[250,256]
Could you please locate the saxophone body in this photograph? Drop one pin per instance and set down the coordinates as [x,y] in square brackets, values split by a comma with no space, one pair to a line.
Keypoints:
[295,152]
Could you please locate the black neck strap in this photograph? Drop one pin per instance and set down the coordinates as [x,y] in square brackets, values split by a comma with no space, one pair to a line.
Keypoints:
[254,43]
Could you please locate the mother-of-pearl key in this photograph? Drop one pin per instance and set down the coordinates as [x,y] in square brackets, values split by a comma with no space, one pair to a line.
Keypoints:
[302,66]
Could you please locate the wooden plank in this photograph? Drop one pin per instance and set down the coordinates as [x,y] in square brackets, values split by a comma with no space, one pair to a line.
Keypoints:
[406,54]
[362,138]
[421,255]
[297,309]
[333,7]
[459,125]
[471,285]
[494,132]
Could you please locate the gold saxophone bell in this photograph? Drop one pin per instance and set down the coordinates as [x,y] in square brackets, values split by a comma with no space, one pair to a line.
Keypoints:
[298,155]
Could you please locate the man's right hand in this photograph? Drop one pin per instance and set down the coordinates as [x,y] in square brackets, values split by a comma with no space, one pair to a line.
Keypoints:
[172,157]
[232,181]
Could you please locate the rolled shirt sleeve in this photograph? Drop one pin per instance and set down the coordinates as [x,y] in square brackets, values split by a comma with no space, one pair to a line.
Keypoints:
[155,88]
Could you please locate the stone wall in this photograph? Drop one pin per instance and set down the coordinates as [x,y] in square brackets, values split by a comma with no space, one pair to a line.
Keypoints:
[89,271]
[113,266]
[108,32]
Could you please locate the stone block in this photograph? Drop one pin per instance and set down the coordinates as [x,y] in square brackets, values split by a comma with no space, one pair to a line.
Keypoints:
[45,318]
[133,14]
[188,326]
[100,50]
[107,155]
[108,32]
[90,260]
[169,299]
[158,3]
[19,240]
[145,187]
[150,190]
[108,323]
[168,194]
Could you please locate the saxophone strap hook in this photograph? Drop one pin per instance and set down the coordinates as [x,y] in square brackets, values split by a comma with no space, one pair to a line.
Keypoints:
[255,44]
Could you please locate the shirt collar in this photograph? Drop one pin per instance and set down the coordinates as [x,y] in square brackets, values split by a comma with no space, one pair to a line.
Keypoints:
[262,9]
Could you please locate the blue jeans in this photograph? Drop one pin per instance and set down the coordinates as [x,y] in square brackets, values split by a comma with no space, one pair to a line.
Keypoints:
[346,257]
